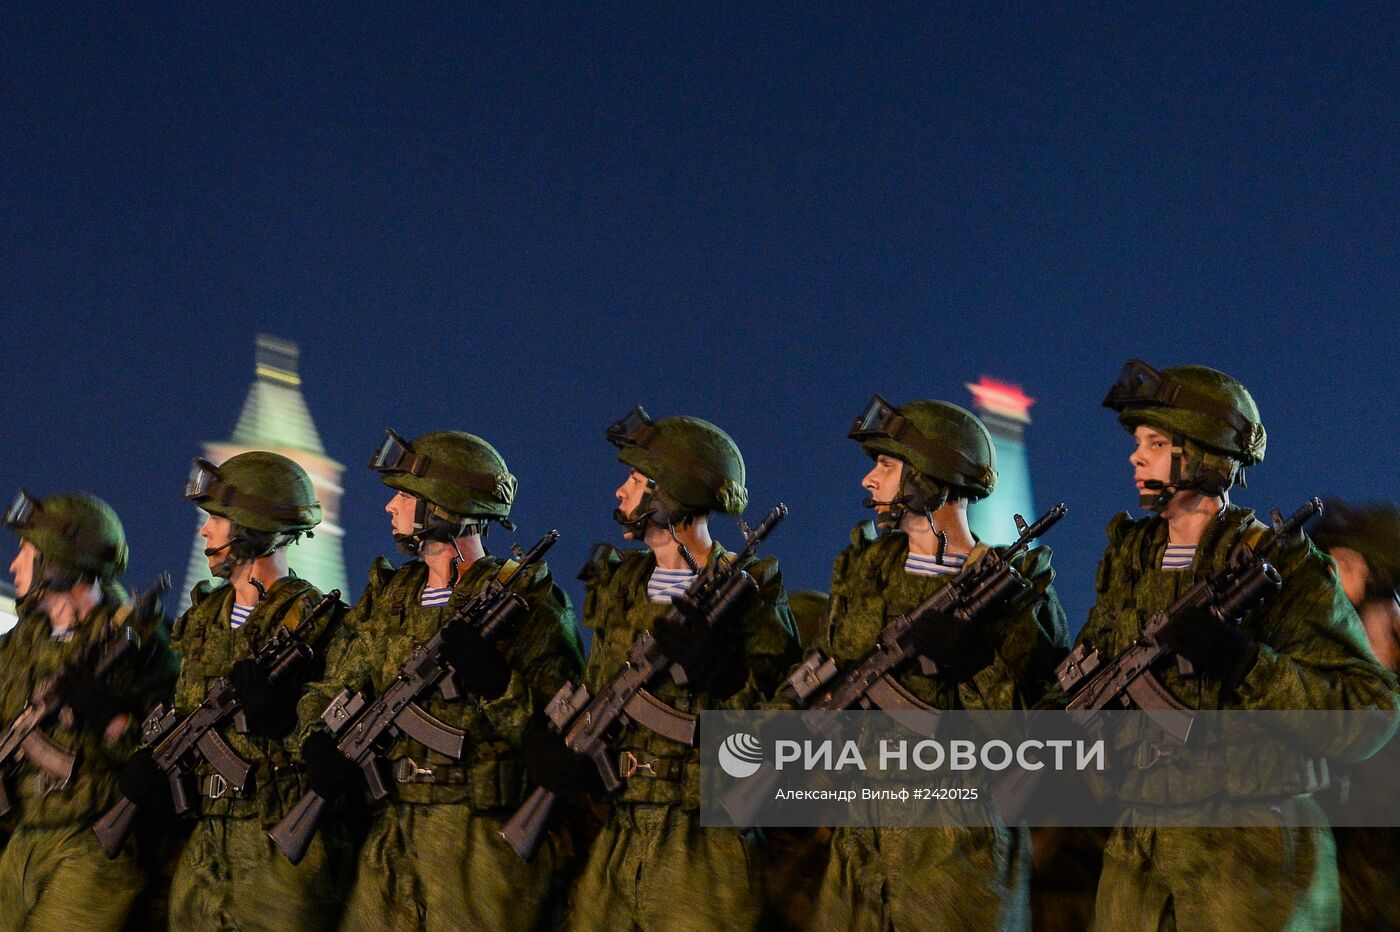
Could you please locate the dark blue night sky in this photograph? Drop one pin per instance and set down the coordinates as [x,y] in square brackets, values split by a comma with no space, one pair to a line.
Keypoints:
[521,225]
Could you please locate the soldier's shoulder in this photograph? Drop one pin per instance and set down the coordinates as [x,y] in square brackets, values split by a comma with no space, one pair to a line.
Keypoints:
[606,563]
[203,590]
[766,573]
[1034,564]
[1123,527]
[381,573]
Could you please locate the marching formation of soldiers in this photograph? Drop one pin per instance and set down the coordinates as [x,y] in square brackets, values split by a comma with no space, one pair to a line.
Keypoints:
[369,767]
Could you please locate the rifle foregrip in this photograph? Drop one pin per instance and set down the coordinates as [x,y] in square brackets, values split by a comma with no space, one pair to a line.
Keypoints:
[114,828]
[293,834]
[525,829]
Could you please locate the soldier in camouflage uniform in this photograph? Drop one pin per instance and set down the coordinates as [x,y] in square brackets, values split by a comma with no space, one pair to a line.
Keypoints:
[1195,430]
[433,858]
[652,866]
[1364,542]
[53,874]
[931,459]
[229,875]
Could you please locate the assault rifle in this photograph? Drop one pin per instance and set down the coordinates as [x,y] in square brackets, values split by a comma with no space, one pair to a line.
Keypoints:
[979,592]
[713,597]
[366,730]
[24,739]
[177,746]
[1092,683]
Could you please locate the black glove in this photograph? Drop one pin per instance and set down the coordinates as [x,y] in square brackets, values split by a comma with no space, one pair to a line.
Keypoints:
[1214,648]
[269,709]
[146,785]
[330,773]
[713,663]
[552,765]
[481,667]
[94,703]
[960,648]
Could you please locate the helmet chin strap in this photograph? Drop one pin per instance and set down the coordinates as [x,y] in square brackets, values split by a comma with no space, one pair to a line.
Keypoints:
[1156,494]
[653,508]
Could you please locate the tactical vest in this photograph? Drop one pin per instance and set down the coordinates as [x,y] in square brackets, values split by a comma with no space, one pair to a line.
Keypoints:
[32,655]
[657,770]
[489,776]
[209,647]
[1132,587]
[869,588]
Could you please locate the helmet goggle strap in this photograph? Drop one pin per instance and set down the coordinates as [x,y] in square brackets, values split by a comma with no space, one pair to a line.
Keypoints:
[27,513]
[1141,386]
[640,431]
[396,455]
[882,421]
[205,484]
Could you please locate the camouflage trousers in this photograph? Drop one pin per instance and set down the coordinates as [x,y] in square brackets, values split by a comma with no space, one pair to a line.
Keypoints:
[1221,878]
[444,866]
[950,878]
[653,867]
[58,879]
[230,877]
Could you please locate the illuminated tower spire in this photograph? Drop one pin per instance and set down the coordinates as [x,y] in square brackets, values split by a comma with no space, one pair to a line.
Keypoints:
[1004,408]
[275,418]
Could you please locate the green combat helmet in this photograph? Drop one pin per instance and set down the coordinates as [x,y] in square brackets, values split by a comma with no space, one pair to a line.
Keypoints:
[947,449]
[1212,420]
[460,482]
[77,537]
[269,499]
[694,468]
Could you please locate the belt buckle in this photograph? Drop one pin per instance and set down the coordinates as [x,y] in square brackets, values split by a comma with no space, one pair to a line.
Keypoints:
[631,764]
[406,770]
[1157,752]
[218,786]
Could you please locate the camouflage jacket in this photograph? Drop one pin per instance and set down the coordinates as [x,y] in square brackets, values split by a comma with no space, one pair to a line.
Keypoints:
[542,649]
[1312,655]
[32,654]
[209,647]
[618,610]
[869,587]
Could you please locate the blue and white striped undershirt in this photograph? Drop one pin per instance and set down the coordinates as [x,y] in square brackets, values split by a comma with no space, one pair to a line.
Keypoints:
[435,596]
[926,564]
[665,585]
[239,615]
[1179,556]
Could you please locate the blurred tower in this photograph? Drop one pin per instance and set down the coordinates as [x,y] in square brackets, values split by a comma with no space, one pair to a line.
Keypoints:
[275,418]
[1003,408]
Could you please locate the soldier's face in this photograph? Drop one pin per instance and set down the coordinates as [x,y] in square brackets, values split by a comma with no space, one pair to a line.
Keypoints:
[401,509]
[217,531]
[1351,573]
[630,493]
[22,568]
[882,482]
[1151,457]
